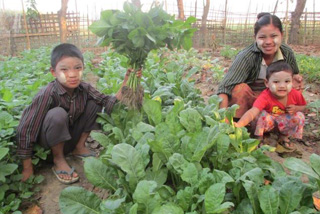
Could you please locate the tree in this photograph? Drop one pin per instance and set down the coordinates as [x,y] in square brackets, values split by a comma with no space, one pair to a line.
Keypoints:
[180,9]
[295,21]
[63,20]
[204,22]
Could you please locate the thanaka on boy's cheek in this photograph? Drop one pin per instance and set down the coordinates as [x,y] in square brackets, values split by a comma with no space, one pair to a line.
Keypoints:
[61,77]
[289,87]
[273,88]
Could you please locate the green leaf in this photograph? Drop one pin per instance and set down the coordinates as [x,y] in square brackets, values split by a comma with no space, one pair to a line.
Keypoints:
[129,160]
[99,174]
[3,189]
[269,200]
[244,207]
[252,193]
[134,209]
[153,110]
[112,204]
[298,165]
[151,38]
[197,146]
[231,112]
[169,208]
[7,96]
[191,120]
[190,174]
[314,161]
[159,176]
[146,195]
[188,171]
[106,15]
[77,200]
[184,197]
[100,27]
[289,197]
[118,134]
[144,127]
[190,20]
[101,138]
[5,118]
[214,197]
[3,152]
[222,177]
[6,169]
[255,175]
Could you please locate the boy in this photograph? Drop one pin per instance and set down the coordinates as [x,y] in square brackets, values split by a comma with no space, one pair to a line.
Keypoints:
[62,115]
[279,106]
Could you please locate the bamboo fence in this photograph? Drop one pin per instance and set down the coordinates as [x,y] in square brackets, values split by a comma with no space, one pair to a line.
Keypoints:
[18,32]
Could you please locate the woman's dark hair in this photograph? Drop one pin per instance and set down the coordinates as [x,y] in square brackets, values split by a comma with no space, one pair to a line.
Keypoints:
[266,19]
[277,67]
[62,50]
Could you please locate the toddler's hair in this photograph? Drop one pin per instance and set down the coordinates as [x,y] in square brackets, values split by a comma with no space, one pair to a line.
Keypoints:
[62,50]
[277,67]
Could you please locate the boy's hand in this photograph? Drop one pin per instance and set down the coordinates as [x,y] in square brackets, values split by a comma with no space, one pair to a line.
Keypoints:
[126,77]
[27,170]
[291,109]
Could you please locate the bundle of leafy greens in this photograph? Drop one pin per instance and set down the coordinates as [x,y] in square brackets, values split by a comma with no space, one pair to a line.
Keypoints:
[135,33]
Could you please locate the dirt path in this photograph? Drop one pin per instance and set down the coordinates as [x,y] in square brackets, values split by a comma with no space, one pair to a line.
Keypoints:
[48,198]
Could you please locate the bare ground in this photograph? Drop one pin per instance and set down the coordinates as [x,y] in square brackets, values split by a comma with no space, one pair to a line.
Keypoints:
[47,201]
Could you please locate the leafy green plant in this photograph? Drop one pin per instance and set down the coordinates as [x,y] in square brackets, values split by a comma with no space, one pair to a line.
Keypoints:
[314,107]
[309,67]
[177,153]
[134,34]
[229,52]
[312,170]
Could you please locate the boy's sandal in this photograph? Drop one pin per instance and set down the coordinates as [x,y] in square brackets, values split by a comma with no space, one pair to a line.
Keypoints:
[90,154]
[62,172]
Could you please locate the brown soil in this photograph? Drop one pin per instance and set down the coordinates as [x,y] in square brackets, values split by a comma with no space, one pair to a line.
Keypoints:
[48,198]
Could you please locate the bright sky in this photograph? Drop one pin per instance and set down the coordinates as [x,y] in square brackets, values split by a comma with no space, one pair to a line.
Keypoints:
[95,6]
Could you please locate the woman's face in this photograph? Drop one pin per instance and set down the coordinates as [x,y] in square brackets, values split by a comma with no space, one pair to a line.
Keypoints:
[269,39]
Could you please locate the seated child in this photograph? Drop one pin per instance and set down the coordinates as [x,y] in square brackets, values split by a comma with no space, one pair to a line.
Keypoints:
[279,106]
[62,114]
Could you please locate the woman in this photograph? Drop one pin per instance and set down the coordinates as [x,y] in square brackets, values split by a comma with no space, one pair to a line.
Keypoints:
[244,80]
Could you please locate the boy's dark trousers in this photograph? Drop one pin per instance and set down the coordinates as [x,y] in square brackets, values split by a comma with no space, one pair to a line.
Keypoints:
[55,127]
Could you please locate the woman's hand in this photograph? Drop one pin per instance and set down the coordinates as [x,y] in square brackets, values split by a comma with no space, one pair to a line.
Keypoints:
[298,82]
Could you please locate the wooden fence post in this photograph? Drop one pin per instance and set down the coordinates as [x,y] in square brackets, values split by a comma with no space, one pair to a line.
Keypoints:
[63,21]
[26,26]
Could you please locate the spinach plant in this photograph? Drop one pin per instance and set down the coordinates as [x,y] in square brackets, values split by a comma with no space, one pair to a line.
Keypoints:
[135,33]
